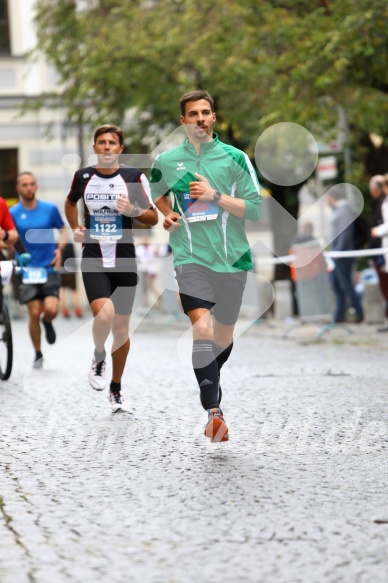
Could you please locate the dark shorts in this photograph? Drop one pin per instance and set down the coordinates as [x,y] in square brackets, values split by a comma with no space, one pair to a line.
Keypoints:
[28,292]
[200,287]
[68,280]
[383,281]
[119,286]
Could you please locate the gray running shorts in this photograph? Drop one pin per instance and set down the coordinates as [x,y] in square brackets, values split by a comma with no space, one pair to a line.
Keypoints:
[200,287]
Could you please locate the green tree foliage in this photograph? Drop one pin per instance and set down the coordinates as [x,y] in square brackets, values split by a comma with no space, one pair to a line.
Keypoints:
[264,62]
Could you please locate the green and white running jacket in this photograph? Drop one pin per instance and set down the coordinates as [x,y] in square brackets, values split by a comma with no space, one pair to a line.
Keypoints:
[220,244]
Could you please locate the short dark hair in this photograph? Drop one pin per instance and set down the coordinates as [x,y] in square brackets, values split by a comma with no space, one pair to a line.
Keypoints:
[109,129]
[195,96]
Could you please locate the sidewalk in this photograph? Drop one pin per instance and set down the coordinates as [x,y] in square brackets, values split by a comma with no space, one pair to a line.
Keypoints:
[298,494]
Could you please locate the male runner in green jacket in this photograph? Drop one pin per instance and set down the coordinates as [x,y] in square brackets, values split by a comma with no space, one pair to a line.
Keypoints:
[214,188]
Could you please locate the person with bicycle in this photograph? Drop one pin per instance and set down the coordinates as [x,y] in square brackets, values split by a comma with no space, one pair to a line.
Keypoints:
[8,236]
[39,283]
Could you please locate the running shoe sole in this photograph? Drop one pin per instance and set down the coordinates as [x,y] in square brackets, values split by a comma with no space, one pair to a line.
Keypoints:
[217,430]
[117,408]
[95,387]
[120,409]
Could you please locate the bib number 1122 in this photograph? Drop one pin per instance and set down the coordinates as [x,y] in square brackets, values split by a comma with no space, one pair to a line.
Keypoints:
[105,229]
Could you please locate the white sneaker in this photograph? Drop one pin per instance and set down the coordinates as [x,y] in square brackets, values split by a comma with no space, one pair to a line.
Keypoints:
[97,376]
[117,402]
[38,363]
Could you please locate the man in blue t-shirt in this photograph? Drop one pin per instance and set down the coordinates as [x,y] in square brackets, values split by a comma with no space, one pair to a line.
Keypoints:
[35,221]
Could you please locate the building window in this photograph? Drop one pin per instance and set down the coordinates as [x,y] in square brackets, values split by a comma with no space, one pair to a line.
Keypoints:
[5,44]
[8,175]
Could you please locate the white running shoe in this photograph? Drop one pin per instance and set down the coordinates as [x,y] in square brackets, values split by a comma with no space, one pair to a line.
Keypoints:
[97,376]
[38,363]
[117,402]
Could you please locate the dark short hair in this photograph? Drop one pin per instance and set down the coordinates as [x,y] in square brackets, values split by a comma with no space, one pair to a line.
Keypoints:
[109,129]
[195,96]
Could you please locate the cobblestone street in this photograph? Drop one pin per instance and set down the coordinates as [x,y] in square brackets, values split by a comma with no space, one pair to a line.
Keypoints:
[298,494]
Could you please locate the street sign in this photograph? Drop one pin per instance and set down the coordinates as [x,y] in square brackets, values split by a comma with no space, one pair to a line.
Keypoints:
[327,167]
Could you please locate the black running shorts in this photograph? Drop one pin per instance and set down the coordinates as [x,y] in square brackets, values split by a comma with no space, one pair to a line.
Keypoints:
[200,287]
[68,280]
[119,286]
[27,292]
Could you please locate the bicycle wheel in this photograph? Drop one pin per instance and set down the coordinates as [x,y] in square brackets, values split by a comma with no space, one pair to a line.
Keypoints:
[6,346]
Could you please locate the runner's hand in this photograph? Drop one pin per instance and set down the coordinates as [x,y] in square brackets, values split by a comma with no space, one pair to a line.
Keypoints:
[79,234]
[123,205]
[57,260]
[201,189]
[172,221]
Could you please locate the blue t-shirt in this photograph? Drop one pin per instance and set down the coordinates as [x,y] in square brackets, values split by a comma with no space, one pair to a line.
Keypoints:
[36,231]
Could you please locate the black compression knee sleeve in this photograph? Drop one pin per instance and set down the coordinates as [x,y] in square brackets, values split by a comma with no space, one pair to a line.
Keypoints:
[222,354]
[206,371]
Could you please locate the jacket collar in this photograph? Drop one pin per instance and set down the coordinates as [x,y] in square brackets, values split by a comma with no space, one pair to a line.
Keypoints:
[206,146]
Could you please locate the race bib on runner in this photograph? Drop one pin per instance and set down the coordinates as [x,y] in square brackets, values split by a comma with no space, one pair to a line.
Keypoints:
[34,275]
[106,226]
[198,210]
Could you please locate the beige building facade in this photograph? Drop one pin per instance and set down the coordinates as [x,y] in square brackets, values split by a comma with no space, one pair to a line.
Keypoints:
[41,140]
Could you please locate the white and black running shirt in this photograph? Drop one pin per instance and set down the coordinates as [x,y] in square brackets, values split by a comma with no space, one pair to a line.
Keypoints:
[109,234]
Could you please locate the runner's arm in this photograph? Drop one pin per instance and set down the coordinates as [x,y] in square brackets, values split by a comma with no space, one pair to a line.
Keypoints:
[204,191]
[144,208]
[147,217]
[57,261]
[171,218]
[71,212]
[19,246]
[137,210]
[8,232]
[8,238]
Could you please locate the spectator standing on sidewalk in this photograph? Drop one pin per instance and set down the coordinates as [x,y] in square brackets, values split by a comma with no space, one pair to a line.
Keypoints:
[112,195]
[38,287]
[377,191]
[342,231]
[214,188]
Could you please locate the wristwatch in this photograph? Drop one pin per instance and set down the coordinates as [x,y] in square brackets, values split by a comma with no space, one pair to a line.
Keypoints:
[217,195]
